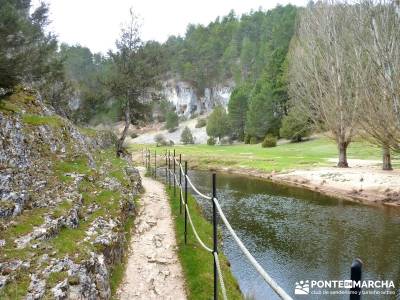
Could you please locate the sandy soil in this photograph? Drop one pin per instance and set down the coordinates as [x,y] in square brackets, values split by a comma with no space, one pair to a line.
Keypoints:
[153,270]
[364,182]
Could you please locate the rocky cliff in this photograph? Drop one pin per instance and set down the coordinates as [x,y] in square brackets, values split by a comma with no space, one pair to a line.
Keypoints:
[66,205]
[188,101]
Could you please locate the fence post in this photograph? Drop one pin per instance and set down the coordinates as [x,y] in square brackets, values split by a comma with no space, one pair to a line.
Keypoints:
[174,177]
[215,233]
[180,183]
[155,164]
[169,168]
[166,167]
[186,199]
[355,275]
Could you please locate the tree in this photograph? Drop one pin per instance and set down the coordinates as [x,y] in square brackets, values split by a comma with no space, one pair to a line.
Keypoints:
[186,136]
[25,50]
[136,67]
[295,126]
[321,81]
[262,116]
[376,29]
[218,124]
[172,121]
[237,110]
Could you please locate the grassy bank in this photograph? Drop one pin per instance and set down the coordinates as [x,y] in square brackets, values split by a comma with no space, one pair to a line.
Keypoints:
[197,264]
[289,156]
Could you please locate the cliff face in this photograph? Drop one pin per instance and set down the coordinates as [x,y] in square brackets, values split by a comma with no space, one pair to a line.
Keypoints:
[188,102]
[66,204]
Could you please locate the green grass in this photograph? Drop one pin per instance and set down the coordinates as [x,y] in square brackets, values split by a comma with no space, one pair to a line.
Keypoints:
[289,156]
[37,120]
[197,264]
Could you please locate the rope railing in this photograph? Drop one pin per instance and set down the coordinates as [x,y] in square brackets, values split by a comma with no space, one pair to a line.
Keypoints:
[216,208]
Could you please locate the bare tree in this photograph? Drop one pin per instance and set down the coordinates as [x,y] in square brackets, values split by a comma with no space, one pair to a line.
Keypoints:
[320,72]
[377,30]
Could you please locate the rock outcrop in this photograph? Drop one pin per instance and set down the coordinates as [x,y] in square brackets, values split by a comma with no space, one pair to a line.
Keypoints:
[65,204]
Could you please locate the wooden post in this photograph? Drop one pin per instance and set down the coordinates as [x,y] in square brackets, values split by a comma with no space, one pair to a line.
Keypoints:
[155,164]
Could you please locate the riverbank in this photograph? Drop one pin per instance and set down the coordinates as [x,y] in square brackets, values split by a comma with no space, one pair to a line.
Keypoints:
[197,263]
[310,165]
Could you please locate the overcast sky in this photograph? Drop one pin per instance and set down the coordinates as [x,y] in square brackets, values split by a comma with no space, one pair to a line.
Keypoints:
[96,23]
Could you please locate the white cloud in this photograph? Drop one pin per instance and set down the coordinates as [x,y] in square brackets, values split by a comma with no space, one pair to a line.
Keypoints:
[96,23]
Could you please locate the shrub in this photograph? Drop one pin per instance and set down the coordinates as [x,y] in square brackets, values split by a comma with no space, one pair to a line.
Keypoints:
[269,141]
[134,135]
[294,127]
[247,139]
[186,136]
[253,140]
[226,141]
[160,140]
[171,121]
[201,123]
[211,141]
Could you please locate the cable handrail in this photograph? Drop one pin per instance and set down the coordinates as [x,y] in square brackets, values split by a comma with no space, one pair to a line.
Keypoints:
[267,278]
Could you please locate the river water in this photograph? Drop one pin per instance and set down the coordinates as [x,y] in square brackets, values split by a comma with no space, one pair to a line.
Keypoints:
[297,234]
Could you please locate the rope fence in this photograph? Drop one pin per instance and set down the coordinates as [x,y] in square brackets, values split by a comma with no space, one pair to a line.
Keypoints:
[172,178]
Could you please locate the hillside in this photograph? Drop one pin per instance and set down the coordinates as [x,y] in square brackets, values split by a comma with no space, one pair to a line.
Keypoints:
[66,205]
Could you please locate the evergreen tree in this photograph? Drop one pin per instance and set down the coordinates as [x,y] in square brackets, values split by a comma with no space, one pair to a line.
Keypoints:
[172,121]
[237,109]
[218,124]
[186,136]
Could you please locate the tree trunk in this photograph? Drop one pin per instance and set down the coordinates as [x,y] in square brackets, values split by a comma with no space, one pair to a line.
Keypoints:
[343,155]
[121,140]
[387,162]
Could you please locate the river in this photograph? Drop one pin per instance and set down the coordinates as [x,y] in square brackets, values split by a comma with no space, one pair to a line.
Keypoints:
[296,234]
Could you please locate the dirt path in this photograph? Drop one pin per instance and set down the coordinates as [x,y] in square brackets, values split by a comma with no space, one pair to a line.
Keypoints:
[153,270]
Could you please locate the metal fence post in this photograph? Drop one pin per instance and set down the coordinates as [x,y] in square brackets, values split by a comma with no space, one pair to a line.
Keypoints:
[169,167]
[166,167]
[355,276]
[174,176]
[155,164]
[215,237]
[186,199]
[180,183]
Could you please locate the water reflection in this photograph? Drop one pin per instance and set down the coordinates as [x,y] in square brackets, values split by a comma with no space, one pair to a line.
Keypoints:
[297,234]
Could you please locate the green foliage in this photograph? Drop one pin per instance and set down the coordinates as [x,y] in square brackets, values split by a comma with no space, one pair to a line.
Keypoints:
[211,141]
[25,49]
[201,122]
[247,139]
[231,47]
[253,140]
[295,126]
[171,121]
[160,140]
[186,136]
[269,141]
[263,115]
[218,124]
[237,110]
[38,120]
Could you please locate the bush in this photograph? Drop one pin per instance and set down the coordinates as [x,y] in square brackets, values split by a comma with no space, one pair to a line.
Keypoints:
[295,127]
[269,141]
[226,141]
[160,140]
[253,140]
[186,136]
[211,141]
[247,139]
[171,121]
[134,135]
[201,123]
